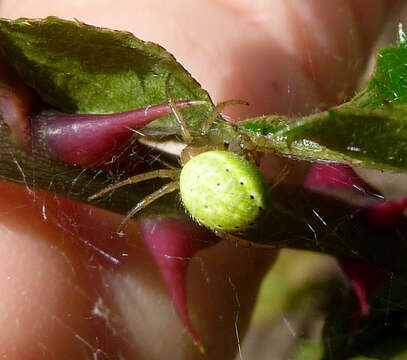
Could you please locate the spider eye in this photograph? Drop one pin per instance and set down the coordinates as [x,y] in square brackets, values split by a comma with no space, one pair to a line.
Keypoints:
[222,190]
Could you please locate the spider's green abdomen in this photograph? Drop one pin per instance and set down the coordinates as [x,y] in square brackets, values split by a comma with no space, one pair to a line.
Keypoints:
[223,191]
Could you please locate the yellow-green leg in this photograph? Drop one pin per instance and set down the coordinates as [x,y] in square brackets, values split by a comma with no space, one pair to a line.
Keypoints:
[162,173]
[166,189]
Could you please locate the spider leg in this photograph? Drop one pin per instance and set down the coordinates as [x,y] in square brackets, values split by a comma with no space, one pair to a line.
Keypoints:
[177,114]
[166,189]
[162,173]
[216,111]
[239,241]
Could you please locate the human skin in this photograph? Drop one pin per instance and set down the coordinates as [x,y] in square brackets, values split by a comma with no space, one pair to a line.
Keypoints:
[61,298]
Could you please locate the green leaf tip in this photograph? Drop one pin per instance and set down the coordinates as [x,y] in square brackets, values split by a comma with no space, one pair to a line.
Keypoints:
[402,37]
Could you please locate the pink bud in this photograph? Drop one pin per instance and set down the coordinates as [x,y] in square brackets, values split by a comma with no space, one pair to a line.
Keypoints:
[90,140]
[387,213]
[335,175]
[173,243]
[364,278]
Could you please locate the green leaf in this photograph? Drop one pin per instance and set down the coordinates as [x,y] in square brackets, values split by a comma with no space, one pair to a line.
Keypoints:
[370,130]
[79,68]
[271,134]
[388,83]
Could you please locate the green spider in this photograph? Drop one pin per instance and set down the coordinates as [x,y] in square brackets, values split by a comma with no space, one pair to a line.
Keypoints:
[220,189]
